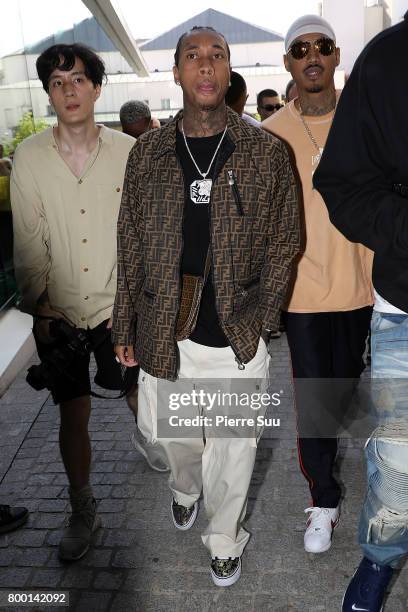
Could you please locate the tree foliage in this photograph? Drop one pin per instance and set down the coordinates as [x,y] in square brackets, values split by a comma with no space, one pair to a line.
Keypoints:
[26,127]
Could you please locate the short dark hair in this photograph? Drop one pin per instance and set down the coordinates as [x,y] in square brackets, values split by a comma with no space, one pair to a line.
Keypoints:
[236,89]
[288,88]
[50,59]
[195,29]
[134,110]
[265,93]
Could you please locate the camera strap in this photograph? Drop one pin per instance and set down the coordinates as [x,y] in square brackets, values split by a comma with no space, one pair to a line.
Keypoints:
[128,375]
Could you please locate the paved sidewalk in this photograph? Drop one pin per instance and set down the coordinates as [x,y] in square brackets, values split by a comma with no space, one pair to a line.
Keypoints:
[140,562]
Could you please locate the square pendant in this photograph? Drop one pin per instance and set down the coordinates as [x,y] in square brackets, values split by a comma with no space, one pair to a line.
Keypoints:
[200,191]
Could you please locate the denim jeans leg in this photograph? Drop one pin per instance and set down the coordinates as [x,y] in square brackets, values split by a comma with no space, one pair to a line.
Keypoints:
[383,529]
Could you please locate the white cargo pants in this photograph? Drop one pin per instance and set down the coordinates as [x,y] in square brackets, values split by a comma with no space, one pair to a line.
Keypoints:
[221,467]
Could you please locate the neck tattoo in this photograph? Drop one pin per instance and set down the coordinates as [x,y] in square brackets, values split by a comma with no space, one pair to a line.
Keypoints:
[200,190]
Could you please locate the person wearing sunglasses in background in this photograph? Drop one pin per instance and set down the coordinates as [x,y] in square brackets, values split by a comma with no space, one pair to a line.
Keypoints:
[236,97]
[268,103]
[328,310]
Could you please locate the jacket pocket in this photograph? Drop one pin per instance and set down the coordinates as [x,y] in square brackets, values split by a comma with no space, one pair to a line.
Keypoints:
[245,300]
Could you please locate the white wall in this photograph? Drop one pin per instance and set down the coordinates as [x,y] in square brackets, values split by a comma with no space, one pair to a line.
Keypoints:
[161,60]
[115,63]
[14,101]
[122,88]
[374,22]
[270,54]
[347,18]
[241,55]
[394,10]
[17,68]
[355,24]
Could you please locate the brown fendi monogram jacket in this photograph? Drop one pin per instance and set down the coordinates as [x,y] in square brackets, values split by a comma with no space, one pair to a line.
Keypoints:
[254,238]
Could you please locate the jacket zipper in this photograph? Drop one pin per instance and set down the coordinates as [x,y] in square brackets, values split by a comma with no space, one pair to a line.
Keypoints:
[177,369]
[241,365]
[231,181]
[235,191]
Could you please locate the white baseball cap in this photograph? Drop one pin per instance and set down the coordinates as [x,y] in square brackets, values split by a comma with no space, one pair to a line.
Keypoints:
[307,25]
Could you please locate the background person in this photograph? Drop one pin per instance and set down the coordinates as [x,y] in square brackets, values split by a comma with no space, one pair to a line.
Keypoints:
[328,309]
[268,102]
[237,96]
[363,177]
[136,119]
[66,185]
[291,91]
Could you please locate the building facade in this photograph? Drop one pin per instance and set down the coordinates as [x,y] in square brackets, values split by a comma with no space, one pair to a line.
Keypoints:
[256,52]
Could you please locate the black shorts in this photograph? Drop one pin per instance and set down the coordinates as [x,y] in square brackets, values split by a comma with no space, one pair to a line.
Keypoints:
[75,382]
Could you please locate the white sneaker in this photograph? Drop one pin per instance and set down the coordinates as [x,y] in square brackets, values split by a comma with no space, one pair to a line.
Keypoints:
[319,528]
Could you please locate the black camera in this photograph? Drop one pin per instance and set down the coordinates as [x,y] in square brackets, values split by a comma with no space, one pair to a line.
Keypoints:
[69,343]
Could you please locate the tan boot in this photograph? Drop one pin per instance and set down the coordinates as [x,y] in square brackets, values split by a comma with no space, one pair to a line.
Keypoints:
[81,525]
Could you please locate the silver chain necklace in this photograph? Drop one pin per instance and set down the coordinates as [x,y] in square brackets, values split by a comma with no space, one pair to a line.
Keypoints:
[311,137]
[200,190]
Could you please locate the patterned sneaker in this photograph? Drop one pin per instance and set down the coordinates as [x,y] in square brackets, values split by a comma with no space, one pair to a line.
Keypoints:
[183,518]
[367,587]
[225,572]
[319,528]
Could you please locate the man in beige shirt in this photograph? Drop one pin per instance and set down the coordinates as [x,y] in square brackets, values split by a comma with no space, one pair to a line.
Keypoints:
[328,310]
[66,189]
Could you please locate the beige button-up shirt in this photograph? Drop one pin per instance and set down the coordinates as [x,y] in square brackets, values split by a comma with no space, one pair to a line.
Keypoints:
[65,226]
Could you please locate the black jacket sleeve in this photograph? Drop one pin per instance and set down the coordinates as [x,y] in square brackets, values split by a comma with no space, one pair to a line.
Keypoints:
[366,152]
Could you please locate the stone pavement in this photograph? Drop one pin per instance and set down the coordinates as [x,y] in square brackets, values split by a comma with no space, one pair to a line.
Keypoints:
[140,562]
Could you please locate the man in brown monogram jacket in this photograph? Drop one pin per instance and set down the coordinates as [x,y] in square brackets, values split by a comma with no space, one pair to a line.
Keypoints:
[206,183]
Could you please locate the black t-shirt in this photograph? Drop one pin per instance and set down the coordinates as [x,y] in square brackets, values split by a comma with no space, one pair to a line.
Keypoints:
[196,233]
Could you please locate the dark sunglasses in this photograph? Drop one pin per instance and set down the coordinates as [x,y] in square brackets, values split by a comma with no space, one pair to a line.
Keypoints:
[300,48]
[271,107]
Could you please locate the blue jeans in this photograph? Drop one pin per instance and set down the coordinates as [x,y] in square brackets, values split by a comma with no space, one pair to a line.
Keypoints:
[383,529]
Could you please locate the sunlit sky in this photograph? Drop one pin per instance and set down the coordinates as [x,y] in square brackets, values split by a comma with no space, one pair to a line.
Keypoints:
[28,21]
